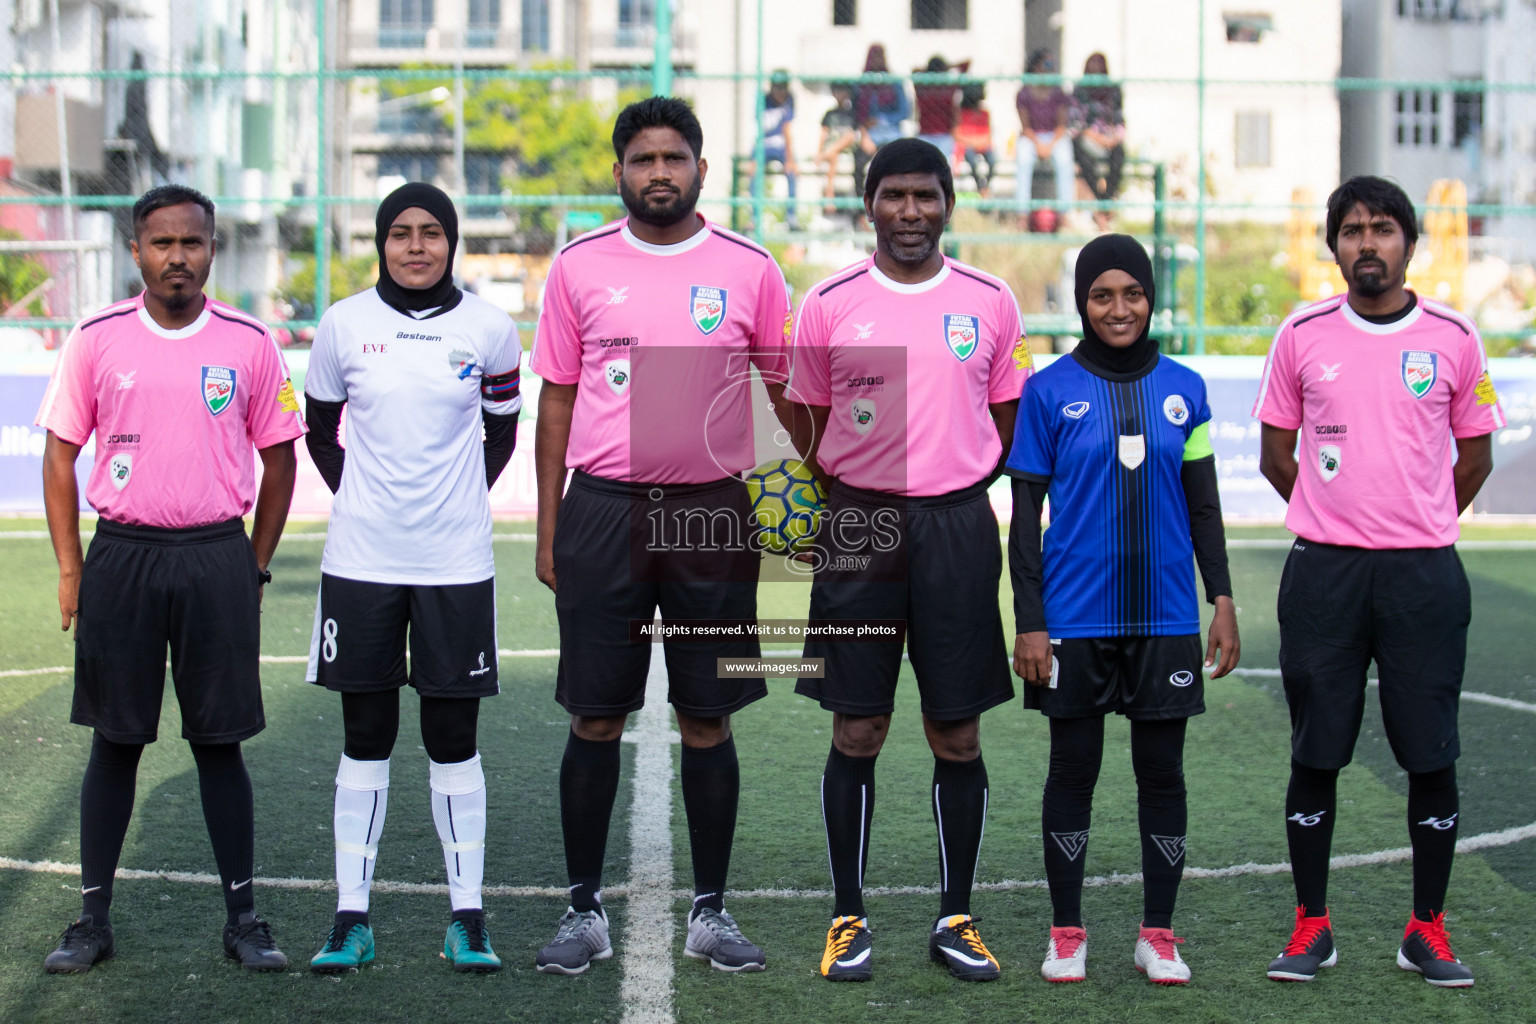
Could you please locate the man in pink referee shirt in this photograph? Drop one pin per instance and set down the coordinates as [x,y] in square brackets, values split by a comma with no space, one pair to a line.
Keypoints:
[178,390]
[910,367]
[649,334]
[1363,398]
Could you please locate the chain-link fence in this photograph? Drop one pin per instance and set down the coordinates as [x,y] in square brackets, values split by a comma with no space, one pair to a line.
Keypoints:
[1212,135]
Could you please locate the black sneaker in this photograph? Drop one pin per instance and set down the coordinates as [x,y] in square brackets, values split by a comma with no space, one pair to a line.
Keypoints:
[249,940]
[1311,947]
[1426,950]
[81,947]
[955,943]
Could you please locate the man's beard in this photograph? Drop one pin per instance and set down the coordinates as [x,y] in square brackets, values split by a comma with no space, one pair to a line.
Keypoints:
[912,256]
[680,207]
[178,300]
[1372,283]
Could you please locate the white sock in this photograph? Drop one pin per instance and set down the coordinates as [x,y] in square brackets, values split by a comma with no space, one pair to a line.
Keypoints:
[458,808]
[362,794]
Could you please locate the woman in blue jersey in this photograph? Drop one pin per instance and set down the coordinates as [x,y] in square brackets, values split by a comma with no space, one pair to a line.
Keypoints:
[1108,619]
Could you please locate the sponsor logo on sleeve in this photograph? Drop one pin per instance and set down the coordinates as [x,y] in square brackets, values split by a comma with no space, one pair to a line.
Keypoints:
[961,331]
[218,388]
[1176,410]
[1022,359]
[707,307]
[120,469]
[287,401]
[616,373]
[1329,456]
[1133,450]
[1075,411]
[1419,372]
[1486,395]
[863,413]
[789,325]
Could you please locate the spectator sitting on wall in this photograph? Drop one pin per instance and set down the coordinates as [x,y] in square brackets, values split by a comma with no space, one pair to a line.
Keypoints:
[973,136]
[1098,117]
[1044,111]
[839,134]
[880,108]
[937,105]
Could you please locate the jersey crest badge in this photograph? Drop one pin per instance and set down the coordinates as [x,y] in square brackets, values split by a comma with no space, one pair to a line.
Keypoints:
[863,415]
[1133,450]
[120,469]
[1419,372]
[617,375]
[707,307]
[218,388]
[960,333]
[1328,459]
[1175,409]
[462,363]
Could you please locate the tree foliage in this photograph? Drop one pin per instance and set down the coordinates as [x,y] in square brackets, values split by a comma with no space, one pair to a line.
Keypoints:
[20,275]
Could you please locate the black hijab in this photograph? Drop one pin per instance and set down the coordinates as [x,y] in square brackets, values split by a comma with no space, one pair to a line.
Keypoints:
[1114,252]
[441,296]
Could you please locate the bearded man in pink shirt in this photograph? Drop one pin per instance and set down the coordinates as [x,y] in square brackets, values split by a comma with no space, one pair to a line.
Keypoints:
[178,389]
[1381,387]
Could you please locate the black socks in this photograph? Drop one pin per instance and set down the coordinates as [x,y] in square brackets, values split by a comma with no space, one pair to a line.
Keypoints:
[589,782]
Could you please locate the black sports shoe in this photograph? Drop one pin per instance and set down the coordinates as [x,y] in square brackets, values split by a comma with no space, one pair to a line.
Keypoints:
[955,943]
[1426,950]
[848,953]
[1311,947]
[82,945]
[249,940]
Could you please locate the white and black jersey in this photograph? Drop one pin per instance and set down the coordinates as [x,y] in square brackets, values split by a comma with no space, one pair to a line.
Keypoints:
[412,506]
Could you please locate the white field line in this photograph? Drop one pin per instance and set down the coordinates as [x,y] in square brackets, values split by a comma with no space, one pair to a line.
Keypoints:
[646,990]
[662,893]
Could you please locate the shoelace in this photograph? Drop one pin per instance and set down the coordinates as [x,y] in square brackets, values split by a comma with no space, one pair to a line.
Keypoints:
[1162,941]
[972,938]
[722,924]
[1307,931]
[1068,944]
[338,938]
[77,936]
[1433,934]
[259,934]
[474,933]
[572,924]
[846,932]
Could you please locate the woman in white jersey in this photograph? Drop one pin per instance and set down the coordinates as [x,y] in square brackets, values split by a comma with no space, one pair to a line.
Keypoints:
[429,376]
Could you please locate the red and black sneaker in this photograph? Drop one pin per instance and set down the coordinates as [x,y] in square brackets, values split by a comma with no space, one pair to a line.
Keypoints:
[1310,948]
[1426,950]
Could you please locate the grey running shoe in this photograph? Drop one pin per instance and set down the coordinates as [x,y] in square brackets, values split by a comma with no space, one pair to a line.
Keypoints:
[714,936]
[582,938]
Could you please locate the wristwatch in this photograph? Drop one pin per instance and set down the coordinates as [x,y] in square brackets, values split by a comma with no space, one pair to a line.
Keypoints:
[263,576]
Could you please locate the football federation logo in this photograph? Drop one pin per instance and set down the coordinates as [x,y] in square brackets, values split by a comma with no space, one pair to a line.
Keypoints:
[960,333]
[707,307]
[461,363]
[1133,450]
[218,388]
[1175,410]
[1183,677]
[863,415]
[1328,457]
[1075,411]
[120,469]
[1419,371]
[617,375]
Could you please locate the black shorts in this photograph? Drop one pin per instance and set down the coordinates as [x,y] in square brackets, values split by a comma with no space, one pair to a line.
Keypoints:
[934,562]
[358,645]
[194,589]
[622,550]
[1406,609]
[1144,678]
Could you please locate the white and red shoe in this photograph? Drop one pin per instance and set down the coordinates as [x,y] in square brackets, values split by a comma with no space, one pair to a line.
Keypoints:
[1066,958]
[1157,956]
